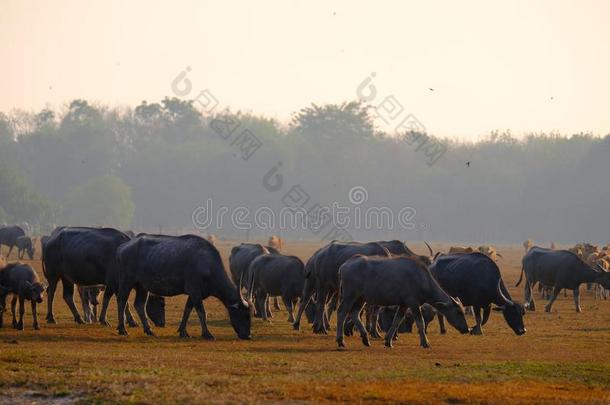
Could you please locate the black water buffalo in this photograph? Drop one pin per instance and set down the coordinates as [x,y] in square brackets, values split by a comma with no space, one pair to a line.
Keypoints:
[392,281]
[86,257]
[475,279]
[9,236]
[322,273]
[386,318]
[25,244]
[275,275]
[175,265]
[239,261]
[20,280]
[560,269]
[242,255]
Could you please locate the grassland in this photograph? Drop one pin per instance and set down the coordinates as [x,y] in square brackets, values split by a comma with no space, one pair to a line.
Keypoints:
[564,357]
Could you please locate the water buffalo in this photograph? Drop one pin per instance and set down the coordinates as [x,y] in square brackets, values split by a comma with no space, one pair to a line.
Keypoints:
[560,269]
[25,244]
[475,279]
[239,262]
[276,275]
[392,281]
[242,255]
[174,265]
[9,236]
[86,257]
[20,280]
[322,274]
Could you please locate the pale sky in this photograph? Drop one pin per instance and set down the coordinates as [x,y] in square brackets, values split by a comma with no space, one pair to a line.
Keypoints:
[527,66]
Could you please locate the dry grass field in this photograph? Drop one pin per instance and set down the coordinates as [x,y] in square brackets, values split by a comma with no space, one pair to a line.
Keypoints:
[564,357]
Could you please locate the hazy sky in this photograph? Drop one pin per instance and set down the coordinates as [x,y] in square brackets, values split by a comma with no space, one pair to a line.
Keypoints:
[520,65]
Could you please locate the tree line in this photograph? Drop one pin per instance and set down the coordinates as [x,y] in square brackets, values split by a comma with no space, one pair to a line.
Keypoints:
[151,167]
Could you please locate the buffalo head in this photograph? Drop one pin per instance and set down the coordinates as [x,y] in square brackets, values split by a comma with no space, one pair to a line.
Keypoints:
[512,311]
[454,312]
[240,315]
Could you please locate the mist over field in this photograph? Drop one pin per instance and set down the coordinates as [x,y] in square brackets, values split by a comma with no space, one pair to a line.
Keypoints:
[151,166]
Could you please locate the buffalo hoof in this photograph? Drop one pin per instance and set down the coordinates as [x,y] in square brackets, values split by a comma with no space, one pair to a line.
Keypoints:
[79,320]
[340,343]
[476,331]
[365,341]
[132,324]
[208,336]
[547,309]
[395,337]
[443,331]
[104,322]
[122,331]
[184,334]
[14,324]
[51,319]
[149,332]
[425,346]
[36,326]
[375,335]
[578,310]
[296,326]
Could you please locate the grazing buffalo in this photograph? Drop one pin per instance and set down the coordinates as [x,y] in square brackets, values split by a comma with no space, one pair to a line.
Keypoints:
[276,275]
[322,272]
[9,236]
[239,262]
[174,265]
[86,257]
[241,257]
[475,279]
[395,281]
[20,280]
[25,244]
[560,269]
[386,317]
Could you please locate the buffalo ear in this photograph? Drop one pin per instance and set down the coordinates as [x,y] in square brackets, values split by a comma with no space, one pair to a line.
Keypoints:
[500,309]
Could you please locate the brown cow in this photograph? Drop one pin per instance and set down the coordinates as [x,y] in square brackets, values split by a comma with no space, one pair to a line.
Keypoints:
[527,245]
[276,242]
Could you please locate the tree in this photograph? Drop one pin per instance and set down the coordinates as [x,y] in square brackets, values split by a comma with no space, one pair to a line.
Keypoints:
[100,201]
[19,201]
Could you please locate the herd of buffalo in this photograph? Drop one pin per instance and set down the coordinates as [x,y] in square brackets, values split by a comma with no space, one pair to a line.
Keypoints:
[374,287]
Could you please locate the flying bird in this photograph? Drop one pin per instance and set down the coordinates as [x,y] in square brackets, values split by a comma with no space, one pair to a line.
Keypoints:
[430,88]
[468,164]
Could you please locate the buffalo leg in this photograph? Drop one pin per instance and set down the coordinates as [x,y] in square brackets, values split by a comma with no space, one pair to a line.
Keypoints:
[441,323]
[556,292]
[486,313]
[35,316]
[318,323]
[10,249]
[69,298]
[267,305]
[276,304]
[140,305]
[122,298]
[421,328]
[399,316]
[105,301]
[188,307]
[14,311]
[576,293]
[344,308]
[264,300]
[203,319]
[2,305]
[303,302]
[50,297]
[355,316]
[21,313]
[288,304]
[476,330]
[85,303]
[20,254]
[529,296]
